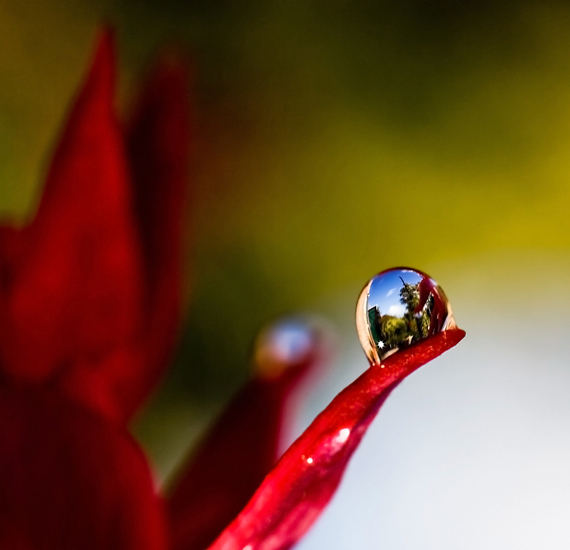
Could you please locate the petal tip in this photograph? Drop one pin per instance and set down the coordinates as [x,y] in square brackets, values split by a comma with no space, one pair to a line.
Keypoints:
[103,65]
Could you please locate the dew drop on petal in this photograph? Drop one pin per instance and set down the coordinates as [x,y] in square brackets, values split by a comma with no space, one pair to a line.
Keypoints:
[283,344]
[397,308]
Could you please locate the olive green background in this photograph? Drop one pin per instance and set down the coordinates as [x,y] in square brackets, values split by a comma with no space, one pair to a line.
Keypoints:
[331,140]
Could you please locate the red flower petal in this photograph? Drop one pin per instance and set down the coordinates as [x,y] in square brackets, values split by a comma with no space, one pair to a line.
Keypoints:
[294,493]
[71,286]
[90,290]
[70,480]
[157,143]
[237,454]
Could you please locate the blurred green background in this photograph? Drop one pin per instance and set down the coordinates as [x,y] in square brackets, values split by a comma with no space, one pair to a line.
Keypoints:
[331,140]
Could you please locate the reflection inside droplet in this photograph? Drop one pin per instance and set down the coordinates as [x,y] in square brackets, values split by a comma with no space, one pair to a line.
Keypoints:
[397,308]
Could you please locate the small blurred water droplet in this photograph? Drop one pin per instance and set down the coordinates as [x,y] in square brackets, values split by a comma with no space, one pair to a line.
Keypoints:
[284,344]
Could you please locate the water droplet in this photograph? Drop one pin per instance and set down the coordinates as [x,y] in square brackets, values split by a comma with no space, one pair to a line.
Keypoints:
[286,343]
[397,308]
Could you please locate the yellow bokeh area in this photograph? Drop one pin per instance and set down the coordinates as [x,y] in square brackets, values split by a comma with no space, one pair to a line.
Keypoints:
[331,140]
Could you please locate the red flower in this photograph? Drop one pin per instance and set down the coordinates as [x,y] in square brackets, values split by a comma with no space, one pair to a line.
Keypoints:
[89,313]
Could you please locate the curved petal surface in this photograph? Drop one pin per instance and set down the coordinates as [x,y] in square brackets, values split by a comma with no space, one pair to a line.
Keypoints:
[295,492]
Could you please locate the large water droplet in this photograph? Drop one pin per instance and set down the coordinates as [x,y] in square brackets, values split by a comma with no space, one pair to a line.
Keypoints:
[397,308]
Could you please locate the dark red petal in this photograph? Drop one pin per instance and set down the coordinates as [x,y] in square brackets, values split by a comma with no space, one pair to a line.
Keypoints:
[69,480]
[294,493]
[235,457]
[157,144]
[71,288]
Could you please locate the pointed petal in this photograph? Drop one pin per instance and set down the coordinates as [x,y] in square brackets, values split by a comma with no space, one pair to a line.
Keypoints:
[157,143]
[71,279]
[238,452]
[70,480]
[295,492]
